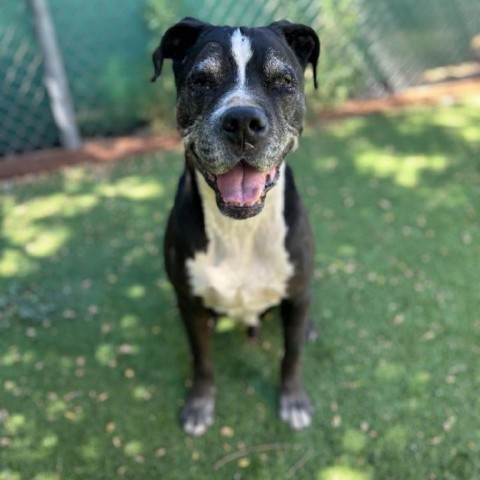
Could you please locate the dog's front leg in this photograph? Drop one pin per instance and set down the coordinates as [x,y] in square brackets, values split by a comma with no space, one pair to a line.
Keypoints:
[198,412]
[295,406]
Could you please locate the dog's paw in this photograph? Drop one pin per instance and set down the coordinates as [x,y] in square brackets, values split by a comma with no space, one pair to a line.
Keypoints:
[197,415]
[296,409]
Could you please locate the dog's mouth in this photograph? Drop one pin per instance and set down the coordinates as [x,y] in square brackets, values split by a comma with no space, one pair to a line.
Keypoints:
[241,192]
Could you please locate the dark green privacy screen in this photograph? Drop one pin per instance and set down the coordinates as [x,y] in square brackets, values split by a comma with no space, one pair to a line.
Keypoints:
[369,47]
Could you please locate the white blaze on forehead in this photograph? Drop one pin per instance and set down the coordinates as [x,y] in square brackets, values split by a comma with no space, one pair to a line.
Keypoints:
[239,95]
[242,52]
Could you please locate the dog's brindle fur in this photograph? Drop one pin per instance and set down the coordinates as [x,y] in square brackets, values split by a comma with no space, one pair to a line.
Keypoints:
[238,240]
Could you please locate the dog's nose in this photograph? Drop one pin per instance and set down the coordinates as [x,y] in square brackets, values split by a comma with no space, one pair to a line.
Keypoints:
[244,126]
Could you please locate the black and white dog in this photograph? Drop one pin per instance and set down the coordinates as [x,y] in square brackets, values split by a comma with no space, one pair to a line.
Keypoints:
[238,241]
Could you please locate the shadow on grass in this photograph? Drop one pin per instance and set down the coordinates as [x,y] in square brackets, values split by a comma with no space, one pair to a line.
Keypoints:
[93,356]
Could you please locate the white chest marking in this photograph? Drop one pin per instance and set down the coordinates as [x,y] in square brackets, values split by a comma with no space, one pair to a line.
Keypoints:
[246,267]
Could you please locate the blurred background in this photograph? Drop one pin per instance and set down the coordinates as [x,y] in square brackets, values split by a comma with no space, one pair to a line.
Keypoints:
[369,49]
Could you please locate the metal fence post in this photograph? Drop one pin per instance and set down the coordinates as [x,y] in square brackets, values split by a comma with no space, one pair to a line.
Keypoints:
[55,78]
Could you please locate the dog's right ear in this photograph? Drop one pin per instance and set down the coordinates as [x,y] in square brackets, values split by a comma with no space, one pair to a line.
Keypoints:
[176,41]
[303,41]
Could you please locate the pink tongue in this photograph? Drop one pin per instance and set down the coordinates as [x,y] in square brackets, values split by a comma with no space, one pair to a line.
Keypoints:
[242,185]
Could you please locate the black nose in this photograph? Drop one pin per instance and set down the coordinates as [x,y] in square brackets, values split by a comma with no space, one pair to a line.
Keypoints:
[244,126]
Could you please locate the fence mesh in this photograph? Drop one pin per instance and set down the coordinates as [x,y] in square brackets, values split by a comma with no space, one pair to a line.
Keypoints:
[104,47]
[368,48]
[26,122]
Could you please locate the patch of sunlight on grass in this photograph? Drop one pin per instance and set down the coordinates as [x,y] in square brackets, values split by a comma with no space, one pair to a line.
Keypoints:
[347,250]
[421,378]
[225,324]
[22,233]
[344,129]
[9,475]
[14,263]
[133,448]
[42,207]
[82,204]
[342,473]
[47,242]
[136,188]
[91,450]
[11,357]
[136,291]
[354,441]
[66,363]
[461,114]
[105,354]
[129,321]
[56,407]
[450,118]
[405,171]
[49,441]
[164,286]
[471,134]
[21,230]
[388,371]
[15,423]
[142,393]
[46,476]
[74,175]
[472,101]
[29,356]
[55,205]
[396,437]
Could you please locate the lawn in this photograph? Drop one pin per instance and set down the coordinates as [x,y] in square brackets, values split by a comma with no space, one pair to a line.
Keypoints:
[93,359]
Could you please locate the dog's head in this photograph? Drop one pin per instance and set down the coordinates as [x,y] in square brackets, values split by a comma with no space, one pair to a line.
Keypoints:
[240,102]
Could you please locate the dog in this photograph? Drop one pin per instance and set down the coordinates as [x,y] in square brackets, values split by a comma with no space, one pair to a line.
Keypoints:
[238,241]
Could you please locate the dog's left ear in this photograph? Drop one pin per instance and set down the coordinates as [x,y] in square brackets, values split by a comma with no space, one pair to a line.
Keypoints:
[176,42]
[303,41]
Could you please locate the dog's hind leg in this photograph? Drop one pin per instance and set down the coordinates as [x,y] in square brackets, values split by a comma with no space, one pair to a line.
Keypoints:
[295,406]
[198,412]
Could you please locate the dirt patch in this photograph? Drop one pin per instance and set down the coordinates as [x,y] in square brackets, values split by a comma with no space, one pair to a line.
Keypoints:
[92,151]
[425,95]
[109,150]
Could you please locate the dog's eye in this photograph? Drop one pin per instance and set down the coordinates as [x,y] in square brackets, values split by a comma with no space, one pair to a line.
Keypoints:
[284,81]
[200,81]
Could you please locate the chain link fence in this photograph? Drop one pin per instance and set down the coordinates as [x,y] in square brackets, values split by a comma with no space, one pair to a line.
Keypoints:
[26,122]
[369,48]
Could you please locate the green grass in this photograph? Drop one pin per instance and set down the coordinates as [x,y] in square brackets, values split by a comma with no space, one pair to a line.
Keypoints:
[93,359]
